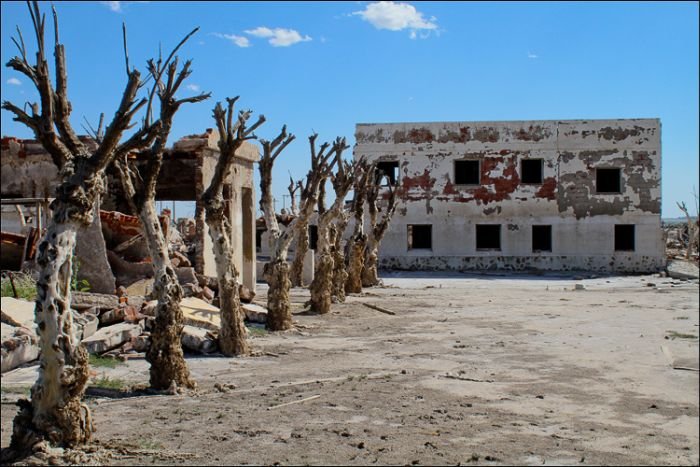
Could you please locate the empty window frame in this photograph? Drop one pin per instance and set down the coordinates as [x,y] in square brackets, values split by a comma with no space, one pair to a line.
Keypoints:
[258,239]
[531,170]
[541,238]
[488,237]
[624,237]
[313,237]
[420,237]
[387,170]
[467,173]
[608,181]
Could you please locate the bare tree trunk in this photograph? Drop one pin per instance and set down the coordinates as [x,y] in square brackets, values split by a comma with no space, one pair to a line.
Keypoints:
[340,274]
[55,412]
[370,276]
[302,236]
[323,273]
[165,355]
[279,317]
[233,334]
[356,261]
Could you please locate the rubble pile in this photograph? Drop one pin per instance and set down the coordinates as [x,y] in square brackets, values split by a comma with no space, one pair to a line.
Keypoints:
[115,326]
[677,236]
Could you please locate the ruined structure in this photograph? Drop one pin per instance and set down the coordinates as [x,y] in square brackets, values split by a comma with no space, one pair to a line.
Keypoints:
[28,172]
[549,195]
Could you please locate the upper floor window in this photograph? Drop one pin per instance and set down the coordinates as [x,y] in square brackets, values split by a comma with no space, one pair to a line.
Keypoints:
[608,181]
[467,173]
[531,170]
[388,169]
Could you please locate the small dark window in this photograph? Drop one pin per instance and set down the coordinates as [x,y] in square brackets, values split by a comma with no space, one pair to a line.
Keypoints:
[467,173]
[607,181]
[420,237]
[388,169]
[488,237]
[624,237]
[541,238]
[258,238]
[313,237]
[531,170]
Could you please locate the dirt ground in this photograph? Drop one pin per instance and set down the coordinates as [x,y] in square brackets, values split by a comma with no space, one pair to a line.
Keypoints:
[471,369]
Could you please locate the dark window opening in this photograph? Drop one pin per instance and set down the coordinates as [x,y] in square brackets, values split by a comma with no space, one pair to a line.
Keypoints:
[608,181]
[467,173]
[420,237]
[313,237]
[258,239]
[531,170]
[388,169]
[624,237]
[541,238]
[488,237]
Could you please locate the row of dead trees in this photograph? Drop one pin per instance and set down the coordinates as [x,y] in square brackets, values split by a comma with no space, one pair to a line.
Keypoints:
[55,414]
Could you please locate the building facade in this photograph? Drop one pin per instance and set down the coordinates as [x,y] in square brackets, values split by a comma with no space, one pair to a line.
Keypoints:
[521,195]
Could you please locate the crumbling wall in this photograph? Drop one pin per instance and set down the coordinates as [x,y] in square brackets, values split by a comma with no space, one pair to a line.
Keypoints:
[582,219]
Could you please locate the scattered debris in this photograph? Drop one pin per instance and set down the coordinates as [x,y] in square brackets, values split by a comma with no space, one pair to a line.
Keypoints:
[294,402]
[379,308]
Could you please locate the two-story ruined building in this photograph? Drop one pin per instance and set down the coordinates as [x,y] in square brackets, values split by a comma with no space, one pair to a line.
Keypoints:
[550,195]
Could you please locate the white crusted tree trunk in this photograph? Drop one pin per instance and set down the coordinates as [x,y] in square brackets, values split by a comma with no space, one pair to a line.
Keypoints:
[301,233]
[168,366]
[321,286]
[340,274]
[233,336]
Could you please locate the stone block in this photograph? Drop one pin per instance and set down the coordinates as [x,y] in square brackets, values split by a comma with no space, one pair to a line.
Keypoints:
[83,300]
[255,313]
[111,337]
[19,346]
[199,313]
[17,312]
[198,339]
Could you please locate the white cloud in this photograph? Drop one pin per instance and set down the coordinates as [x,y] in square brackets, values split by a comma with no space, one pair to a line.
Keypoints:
[114,6]
[14,81]
[279,37]
[531,55]
[240,41]
[193,87]
[397,17]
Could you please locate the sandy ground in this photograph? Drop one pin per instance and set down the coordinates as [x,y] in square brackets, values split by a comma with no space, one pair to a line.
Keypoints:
[498,369]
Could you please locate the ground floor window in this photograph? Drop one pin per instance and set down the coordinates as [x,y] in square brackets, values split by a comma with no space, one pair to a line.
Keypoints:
[624,237]
[488,237]
[420,237]
[541,238]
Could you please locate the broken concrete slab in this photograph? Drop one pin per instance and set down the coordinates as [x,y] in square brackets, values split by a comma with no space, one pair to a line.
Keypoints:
[681,269]
[85,324]
[123,312]
[245,294]
[255,313]
[198,339]
[83,300]
[141,287]
[149,308]
[112,336]
[199,313]
[91,254]
[19,346]
[16,312]
[142,343]
[186,276]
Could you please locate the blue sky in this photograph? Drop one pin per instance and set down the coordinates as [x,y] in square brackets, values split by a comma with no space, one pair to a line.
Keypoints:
[323,67]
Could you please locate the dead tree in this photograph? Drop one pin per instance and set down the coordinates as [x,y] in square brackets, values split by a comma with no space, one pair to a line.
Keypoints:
[168,366]
[293,188]
[55,413]
[322,285]
[232,135]
[340,267]
[378,227]
[357,244]
[279,316]
[301,236]
[692,229]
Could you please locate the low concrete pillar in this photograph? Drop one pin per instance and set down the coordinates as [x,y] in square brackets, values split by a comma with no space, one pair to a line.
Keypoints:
[307,274]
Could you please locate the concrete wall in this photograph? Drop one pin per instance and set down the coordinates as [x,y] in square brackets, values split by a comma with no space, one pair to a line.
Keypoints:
[241,214]
[582,220]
